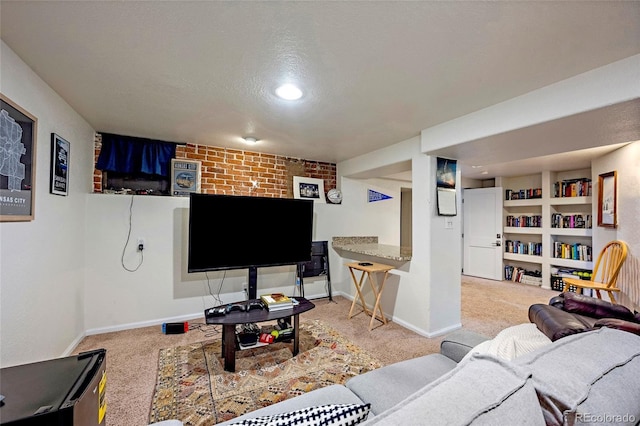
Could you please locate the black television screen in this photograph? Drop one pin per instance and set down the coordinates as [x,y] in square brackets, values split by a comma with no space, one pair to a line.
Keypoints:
[234,232]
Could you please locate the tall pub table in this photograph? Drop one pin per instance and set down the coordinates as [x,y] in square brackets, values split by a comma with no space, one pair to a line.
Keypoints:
[233,318]
[369,269]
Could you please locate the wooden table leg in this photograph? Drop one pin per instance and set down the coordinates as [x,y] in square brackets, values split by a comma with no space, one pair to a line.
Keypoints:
[358,284]
[296,334]
[229,347]
[377,307]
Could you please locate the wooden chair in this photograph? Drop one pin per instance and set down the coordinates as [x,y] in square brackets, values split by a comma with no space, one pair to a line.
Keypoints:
[605,273]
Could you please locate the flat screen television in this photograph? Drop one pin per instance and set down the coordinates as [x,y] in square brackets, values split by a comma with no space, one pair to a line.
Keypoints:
[237,232]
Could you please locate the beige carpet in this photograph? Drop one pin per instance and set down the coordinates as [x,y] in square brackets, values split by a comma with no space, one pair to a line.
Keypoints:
[132,355]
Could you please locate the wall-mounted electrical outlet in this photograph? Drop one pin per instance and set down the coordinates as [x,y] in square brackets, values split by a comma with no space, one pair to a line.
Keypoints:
[140,244]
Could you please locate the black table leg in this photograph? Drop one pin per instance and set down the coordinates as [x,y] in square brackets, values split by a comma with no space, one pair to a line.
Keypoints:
[296,327]
[229,347]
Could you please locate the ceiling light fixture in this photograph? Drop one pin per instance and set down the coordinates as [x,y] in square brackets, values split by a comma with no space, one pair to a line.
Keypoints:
[289,92]
[250,140]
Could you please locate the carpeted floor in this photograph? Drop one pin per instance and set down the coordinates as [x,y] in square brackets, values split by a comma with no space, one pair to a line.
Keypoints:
[132,355]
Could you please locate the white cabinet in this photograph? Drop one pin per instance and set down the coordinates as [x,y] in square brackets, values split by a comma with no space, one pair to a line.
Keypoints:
[539,231]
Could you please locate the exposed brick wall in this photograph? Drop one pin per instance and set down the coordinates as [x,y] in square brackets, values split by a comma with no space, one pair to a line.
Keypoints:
[97,174]
[233,172]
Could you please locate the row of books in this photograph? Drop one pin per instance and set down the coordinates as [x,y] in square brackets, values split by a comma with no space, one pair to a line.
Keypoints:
[518,247]
[571,221]
[523,194]
[572,251]
[521,275]
[573,188]
[524,221]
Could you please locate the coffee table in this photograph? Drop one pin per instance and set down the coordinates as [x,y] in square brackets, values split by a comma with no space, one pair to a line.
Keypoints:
[231,319]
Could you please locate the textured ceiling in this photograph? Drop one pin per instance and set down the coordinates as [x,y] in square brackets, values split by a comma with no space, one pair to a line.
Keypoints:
[373,73]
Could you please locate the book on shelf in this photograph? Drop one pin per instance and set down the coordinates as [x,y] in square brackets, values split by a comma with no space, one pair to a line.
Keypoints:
[523,194]
[573,188]
[276,301]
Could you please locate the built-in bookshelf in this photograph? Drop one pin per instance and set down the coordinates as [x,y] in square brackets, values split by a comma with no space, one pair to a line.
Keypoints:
[523,247]
[547,220]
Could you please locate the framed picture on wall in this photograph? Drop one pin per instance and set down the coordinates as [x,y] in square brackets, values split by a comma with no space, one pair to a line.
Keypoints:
[18,130]
[446,202]
[607,200]
[185,177]
[308,189]
[59,182]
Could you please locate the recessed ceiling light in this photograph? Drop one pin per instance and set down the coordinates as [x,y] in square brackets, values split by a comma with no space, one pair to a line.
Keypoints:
[250,140]
[289,92]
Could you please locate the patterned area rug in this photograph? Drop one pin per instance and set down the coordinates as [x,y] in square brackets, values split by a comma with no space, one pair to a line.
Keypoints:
[193,387]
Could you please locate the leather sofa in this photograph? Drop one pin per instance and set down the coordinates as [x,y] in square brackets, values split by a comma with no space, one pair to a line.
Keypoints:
[571,313]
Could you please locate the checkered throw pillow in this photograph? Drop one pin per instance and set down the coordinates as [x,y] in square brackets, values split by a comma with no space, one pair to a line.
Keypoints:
[329,415]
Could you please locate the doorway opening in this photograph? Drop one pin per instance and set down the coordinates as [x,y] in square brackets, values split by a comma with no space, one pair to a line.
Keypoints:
[405,217]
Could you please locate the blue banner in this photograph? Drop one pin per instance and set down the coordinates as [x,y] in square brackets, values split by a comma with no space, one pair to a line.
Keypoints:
[377,196]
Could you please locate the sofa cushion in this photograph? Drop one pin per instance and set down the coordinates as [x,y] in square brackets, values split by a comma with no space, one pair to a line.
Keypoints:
[387,386]
[481,390]
[512,342]
[594,307]
[457,344]
[334,394]
[329,415]
[592,373]
[556,323]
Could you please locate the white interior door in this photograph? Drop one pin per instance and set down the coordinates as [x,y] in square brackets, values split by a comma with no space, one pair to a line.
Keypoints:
[482,242]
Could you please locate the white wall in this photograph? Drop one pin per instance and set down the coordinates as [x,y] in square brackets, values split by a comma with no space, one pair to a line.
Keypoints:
[426,296]
[161,290]
[42,262]
[626,162]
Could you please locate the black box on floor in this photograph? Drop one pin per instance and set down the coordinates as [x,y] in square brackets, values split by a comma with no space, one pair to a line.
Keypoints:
[175,327]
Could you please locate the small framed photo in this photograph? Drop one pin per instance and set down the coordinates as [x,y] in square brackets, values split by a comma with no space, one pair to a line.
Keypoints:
[59,182]
[185,177]
[607,200]
[308,189]
[446,202]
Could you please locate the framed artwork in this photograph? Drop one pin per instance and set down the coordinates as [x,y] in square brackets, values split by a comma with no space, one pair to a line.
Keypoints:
[607,200]
[446,173]
[446,202]
[185,177]
[308,189]
[18,131]
[59,182]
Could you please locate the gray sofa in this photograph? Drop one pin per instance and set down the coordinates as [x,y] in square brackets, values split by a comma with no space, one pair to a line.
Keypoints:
[584,378]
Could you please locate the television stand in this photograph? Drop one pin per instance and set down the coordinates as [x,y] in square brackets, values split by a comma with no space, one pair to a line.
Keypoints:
[233,318]
[253,282]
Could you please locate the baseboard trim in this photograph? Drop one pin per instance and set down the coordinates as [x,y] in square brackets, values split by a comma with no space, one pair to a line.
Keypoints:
[150,323]
[198,316]
[72,347]
[408,326]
